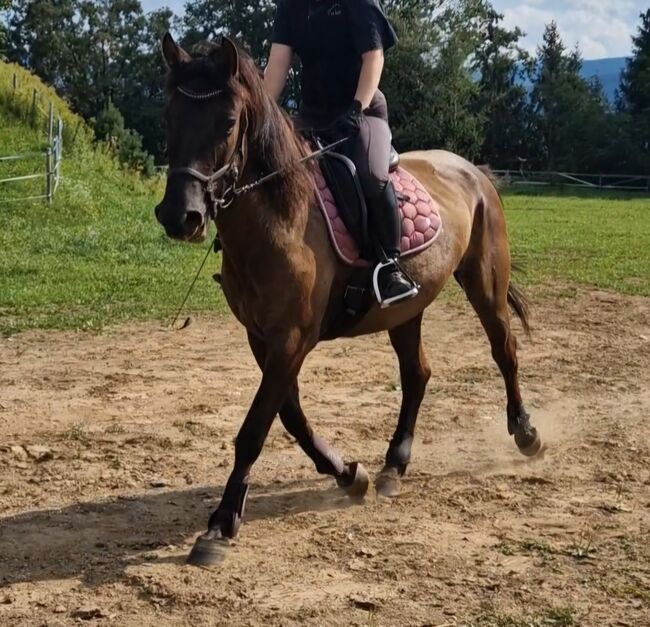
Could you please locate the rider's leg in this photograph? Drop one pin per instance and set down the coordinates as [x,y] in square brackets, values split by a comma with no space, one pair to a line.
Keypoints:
[371,155]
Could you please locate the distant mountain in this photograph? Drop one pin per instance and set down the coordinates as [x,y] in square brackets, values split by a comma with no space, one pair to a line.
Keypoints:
[608,71]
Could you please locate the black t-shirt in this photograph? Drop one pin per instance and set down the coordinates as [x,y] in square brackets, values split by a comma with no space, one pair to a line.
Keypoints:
[330,37]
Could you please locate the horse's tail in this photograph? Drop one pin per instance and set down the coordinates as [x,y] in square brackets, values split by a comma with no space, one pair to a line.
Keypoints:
[520,304]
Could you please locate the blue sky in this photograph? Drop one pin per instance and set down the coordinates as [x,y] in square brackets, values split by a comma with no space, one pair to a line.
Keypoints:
[602,28]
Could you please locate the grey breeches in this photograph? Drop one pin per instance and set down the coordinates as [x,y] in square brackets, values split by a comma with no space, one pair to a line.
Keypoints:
[371,150]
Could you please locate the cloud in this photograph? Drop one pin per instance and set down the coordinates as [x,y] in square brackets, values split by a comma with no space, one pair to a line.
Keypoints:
[601,28]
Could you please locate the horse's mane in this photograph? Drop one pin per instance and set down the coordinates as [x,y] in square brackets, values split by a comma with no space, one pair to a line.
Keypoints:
[273,142]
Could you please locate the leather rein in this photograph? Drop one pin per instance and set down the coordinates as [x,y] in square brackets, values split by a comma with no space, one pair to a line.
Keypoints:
[231,172]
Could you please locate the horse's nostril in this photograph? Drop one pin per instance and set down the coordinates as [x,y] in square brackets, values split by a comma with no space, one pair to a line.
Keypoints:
[193,220]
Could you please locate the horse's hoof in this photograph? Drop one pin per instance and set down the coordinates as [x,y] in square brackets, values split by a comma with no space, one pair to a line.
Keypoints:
[209,550]
[530,448]
[388,483]
[360,482]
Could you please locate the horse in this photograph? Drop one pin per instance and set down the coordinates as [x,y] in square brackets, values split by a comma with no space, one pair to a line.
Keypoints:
[283,281]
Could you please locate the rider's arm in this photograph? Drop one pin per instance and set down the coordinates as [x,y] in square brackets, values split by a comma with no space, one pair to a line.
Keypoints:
[372,35]
[277,69]
[371,69]
[281,55]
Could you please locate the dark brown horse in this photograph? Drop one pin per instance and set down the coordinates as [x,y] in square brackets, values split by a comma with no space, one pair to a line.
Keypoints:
[285,284]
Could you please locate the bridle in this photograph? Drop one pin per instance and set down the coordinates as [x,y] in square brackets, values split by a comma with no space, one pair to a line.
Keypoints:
[229,173]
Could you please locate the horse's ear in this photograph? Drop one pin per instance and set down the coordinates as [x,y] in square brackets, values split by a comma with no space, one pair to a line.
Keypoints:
[173,54]
[231,54]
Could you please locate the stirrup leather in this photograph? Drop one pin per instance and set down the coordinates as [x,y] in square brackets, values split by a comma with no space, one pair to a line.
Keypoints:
[384,303]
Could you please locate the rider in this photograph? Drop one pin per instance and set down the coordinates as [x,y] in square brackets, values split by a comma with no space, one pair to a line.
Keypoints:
[341,45]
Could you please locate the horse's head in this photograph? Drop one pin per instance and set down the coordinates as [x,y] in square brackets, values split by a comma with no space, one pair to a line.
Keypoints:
[204,135]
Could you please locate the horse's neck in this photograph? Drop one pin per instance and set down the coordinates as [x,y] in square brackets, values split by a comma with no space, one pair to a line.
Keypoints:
[258,221]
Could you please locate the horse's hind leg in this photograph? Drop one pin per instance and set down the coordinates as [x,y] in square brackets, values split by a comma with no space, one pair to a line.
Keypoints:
[484,275]
[351,477]
[414,373]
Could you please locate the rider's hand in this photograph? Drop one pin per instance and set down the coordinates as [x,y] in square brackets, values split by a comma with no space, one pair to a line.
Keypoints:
[349,124]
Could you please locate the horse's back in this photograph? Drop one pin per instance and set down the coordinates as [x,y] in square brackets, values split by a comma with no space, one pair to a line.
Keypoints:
[446,173]
[455,184]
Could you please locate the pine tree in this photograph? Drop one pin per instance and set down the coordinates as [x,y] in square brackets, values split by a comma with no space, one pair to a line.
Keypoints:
[634,100]
[569,111]
[502,99]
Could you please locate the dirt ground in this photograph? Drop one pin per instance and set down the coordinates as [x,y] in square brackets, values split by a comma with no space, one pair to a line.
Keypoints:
[91,424]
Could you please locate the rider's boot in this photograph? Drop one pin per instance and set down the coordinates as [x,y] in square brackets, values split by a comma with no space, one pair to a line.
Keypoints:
[391,286]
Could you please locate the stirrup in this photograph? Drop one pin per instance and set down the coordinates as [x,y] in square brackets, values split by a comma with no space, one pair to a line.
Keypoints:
[384,303]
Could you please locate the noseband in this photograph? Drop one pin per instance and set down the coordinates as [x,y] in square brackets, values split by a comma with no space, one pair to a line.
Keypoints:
[229,172]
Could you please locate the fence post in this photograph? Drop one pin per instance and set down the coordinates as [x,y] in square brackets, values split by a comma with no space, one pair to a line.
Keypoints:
[50,124]
[34,101]
[15,82]
[48,174]
[59,153]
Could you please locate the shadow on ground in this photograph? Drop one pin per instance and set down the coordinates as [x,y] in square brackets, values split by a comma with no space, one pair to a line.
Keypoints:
[95,541]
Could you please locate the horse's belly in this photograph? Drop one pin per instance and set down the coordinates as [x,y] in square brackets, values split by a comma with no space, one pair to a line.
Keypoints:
[431,270]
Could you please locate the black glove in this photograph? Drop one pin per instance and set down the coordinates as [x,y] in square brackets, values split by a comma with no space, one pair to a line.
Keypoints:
[349,124]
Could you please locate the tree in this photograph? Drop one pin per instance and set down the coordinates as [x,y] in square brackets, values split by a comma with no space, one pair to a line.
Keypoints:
[95,53]
[4,6]
[634,98]
[569,111]
[249,21]
[428,81]
[126,143]
[502,99]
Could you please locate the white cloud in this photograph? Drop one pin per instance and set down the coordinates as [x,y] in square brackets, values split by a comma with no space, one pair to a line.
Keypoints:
[601,28]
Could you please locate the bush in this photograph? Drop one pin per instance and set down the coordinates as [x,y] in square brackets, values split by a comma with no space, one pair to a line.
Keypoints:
[127,144]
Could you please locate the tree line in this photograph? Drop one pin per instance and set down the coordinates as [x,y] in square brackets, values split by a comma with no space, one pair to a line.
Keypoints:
[459,79]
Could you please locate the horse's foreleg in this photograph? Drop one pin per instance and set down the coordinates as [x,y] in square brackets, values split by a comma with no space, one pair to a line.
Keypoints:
[351,477]
[281,366]
[414,372]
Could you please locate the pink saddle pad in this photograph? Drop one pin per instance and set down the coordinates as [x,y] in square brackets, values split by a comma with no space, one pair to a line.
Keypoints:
[421,222]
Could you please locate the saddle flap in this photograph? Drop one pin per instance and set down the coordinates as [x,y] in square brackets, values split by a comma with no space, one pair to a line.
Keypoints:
[341,177]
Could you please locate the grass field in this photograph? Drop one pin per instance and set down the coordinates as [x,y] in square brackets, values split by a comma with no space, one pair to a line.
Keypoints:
[94,256]
[592,238]
[97,256]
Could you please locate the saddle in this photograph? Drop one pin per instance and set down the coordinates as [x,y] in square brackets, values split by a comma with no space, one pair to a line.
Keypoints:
[342,203]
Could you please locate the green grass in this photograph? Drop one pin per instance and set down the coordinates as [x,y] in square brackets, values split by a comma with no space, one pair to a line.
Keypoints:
[598,239]
[96,256]
[560,617]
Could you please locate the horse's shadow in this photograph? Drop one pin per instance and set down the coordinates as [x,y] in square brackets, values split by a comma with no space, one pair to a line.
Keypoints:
[95,541]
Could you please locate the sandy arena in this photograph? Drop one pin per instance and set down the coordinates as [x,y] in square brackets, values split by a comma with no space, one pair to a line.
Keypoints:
[114,449]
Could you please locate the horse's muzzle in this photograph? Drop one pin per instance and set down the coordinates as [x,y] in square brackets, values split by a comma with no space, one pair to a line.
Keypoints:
[187,226]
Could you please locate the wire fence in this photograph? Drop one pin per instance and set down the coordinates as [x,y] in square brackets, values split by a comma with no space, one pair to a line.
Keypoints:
[49,158]
[622,182]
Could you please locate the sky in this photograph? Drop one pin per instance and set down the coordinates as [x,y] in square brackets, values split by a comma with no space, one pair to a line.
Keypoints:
[602,28]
